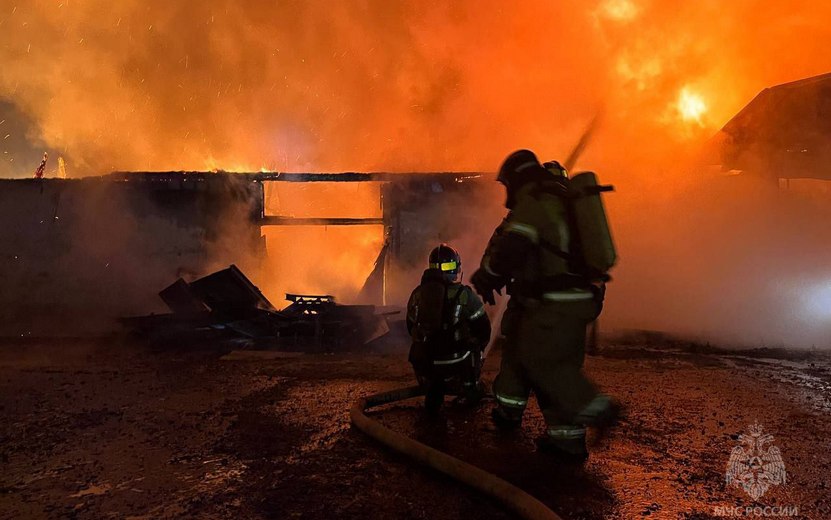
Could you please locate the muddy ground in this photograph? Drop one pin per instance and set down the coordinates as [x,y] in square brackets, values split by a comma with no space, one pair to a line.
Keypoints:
[114,429]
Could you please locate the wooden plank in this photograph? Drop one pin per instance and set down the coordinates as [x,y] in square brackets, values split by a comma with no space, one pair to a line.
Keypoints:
[196,176]
[306,221]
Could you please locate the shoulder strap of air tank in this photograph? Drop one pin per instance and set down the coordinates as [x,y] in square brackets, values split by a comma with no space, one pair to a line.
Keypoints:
[452,301]
[558,189]
[551,248]
[460,290]
[563,190]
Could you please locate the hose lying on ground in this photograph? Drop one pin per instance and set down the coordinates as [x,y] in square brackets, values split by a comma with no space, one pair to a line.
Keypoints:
[511,496]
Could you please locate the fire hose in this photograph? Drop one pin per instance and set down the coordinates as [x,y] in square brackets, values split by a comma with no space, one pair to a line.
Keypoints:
[509,495]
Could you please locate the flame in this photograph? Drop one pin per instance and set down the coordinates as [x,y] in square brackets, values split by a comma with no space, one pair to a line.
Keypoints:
[619,10]
[392,87]
[321,259]
[691,106]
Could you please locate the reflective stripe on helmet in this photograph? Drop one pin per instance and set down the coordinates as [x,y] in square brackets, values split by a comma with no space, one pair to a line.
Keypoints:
[556,169]
[529,232]
[511,401]
[563,432]
[445,266]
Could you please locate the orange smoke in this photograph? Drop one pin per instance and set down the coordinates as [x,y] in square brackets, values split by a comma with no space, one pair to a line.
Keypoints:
[366,85]
[411,85]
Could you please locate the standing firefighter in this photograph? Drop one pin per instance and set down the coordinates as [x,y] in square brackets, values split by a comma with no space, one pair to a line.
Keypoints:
[552,252]
[449,328]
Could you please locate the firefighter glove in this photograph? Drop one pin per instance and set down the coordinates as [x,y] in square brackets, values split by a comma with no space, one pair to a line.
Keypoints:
[485,284]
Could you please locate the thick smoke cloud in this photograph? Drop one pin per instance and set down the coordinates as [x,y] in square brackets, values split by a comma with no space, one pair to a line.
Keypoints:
[22,151]
[371,84]
[430,85]
[297,85]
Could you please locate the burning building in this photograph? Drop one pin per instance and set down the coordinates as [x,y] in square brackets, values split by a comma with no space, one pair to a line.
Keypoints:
[79,251]
[85,251]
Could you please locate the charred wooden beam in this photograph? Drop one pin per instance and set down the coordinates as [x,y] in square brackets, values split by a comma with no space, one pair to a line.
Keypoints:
[306,221]
[163,176]
[367,177]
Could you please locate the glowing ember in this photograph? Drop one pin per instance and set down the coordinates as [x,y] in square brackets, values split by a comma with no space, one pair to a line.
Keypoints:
[690,105]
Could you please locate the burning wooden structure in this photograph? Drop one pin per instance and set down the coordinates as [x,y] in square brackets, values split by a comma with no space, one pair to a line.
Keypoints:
[409,204]
[88,250]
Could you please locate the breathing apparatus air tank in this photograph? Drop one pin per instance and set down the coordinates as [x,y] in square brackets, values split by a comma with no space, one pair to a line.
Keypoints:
[592,227]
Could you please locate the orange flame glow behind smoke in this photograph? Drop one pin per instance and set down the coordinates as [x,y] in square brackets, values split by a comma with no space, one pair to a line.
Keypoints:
[691,106]
[321,259]
[411,85]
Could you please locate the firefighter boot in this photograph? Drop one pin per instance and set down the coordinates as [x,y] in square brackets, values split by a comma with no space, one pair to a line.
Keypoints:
[505,419]
[472,392]
[567,443]
[434,397]
[602,412]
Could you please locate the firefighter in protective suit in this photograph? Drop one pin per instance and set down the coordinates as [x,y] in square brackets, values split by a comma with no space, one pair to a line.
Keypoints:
[549,308]
[449,329]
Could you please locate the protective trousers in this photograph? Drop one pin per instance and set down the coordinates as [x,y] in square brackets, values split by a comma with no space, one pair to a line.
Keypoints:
[544,351]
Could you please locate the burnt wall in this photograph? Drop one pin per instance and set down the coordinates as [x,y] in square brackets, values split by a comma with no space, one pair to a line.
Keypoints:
[77,254]
[424,213]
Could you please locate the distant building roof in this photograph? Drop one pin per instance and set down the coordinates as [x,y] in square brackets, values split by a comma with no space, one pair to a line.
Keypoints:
[784,132]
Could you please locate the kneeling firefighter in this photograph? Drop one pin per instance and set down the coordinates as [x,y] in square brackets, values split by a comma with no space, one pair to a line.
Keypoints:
[552,252]
[449,329]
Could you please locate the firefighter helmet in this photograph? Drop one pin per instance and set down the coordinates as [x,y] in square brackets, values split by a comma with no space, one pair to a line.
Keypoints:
[557,169]
[447,260]
[520,168]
